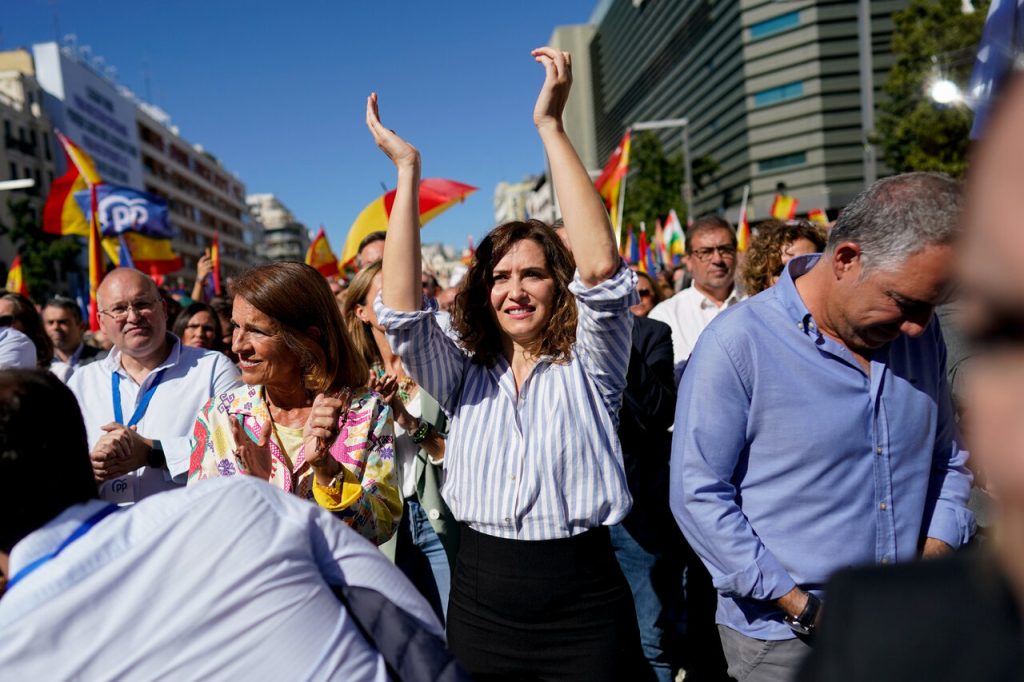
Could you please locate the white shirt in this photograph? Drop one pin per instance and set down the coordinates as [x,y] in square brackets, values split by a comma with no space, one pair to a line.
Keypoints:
[16,350]
[64,370]
[688,313]
[189,377]
[228,579]
[406,451]
[545,461]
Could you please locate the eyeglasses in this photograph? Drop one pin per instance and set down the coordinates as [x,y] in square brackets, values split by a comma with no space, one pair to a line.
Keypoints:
[644,293]
[119,313]
[727,252]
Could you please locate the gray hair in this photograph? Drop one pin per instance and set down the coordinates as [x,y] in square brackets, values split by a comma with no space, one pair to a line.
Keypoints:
[898,216]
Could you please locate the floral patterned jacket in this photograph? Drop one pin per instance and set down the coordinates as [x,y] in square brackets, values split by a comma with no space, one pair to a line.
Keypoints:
[368,498]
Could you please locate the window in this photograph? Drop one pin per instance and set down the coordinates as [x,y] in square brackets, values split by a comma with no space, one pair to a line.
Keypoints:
[784,161]
[12,168]
[7,128]
[778,94]
[774,25]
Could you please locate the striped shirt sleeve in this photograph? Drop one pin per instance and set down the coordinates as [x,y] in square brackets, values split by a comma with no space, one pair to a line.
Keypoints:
[430,356]
[604,332]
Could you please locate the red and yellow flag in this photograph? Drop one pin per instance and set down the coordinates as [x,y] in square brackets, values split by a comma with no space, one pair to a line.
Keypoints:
[743,224]
[321,257]
[609,183]
[16,278]
[61,213]
[784,207]
[149,255]
[215,258]
[95,261]
[817,215]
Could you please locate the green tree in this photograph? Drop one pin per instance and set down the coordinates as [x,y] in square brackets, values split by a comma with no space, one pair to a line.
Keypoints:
[655,182]
[932,39]
[45,258]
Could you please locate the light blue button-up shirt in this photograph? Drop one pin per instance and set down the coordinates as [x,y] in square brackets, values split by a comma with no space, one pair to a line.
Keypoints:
[789,462]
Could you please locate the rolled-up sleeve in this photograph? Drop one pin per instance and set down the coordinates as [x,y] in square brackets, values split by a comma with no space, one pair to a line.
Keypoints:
[707,444]
[604,329]
[430,356]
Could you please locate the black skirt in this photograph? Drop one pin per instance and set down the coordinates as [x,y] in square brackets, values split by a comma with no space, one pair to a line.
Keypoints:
[543,610]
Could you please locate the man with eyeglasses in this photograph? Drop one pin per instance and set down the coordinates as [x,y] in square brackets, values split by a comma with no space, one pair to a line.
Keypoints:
[62,319]
[711,259]
[140,402]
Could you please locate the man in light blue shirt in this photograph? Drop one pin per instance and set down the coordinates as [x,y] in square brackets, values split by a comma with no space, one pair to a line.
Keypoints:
[814,429]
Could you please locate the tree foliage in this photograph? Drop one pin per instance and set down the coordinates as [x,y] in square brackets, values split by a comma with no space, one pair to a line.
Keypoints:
[45,258]
[655,182]
[932,39]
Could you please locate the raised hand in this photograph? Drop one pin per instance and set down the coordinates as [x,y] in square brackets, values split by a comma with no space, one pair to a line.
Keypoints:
[204,266]
[320,429]
[252,458]
[554,94]
[401,153]
[119,451]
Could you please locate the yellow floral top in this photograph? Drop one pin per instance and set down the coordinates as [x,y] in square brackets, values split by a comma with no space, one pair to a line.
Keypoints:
[366,497]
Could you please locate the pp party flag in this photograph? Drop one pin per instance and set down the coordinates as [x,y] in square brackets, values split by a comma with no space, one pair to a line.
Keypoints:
[61,213]
[16,278]
[437,195]
[816,215]
[320,256]
[784,207]
[150,255]
[675,240]
[123,209]
[611,183]
[743,224]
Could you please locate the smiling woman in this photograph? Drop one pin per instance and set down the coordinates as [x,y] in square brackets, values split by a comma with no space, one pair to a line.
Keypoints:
[304,421]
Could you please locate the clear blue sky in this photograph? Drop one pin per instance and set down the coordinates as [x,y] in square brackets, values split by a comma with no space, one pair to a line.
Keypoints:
[277,90]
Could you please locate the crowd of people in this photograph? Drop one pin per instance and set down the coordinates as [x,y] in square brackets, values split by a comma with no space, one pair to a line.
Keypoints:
[562,469]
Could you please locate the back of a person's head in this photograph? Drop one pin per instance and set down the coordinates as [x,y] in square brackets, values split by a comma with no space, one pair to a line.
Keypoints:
[44,454]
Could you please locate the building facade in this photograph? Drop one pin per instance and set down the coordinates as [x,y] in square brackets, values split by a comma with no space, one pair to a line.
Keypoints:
[26,150]
[284,237]
[770,90]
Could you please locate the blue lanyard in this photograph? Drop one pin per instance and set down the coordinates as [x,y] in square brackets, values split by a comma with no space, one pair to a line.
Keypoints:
[86,526]
[140,409]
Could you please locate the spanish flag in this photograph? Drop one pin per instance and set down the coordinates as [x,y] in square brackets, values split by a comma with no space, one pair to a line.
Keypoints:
[609,183]
[215,257]
[817,215]
[16,278]
[61,213]
[784,207]
[149,255]
[320,256]
[743,224]
[95,261]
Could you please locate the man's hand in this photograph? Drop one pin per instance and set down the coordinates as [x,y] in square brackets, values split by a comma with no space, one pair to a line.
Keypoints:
[204,266]
[119,451]
[547,112]
[252,458]
[935,548]
[793,602]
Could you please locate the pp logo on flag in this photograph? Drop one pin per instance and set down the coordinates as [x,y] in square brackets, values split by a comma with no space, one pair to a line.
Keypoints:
[123,213]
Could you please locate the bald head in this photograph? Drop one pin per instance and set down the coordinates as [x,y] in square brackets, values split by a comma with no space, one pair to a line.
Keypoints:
[132,314]
[119,278]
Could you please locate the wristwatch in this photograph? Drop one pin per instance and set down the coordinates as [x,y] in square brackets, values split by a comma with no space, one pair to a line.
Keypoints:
[805,623]
[421,432]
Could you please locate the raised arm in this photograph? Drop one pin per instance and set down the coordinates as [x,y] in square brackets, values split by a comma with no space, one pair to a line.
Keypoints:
[400,286]
[590,233]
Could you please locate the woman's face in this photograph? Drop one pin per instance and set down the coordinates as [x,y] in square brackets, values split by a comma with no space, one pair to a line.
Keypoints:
[523,293]
[263,356]
[801,246]
[200,332]
[646,291]
[364,311]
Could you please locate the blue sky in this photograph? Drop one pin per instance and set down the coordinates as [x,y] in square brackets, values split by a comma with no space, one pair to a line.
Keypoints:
[277,91]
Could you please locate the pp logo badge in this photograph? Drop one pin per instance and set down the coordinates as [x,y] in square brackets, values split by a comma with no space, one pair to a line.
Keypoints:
[120,491]
[123,213]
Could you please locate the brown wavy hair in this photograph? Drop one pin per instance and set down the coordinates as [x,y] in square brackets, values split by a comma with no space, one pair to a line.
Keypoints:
[360,332]
[471,315]
[764,257]
[297,297]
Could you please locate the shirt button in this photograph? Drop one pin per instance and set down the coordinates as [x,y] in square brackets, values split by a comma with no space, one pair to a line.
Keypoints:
[882,506]
[433,515]
[508,521]
[885,560]
[513,477]
[878,450]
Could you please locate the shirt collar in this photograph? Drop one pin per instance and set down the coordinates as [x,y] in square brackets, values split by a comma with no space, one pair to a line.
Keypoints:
[113,358]
[789,296]
[706,303]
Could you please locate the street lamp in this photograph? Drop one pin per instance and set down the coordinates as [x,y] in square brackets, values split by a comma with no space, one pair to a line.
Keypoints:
[683,123]
[944,91]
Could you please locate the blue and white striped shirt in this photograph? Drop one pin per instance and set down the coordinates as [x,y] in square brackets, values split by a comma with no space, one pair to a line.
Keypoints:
[544,464]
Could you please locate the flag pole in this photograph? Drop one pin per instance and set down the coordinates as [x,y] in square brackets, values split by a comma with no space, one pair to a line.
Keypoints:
[622,189]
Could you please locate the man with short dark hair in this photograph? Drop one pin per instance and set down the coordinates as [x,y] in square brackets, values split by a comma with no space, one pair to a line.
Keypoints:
[371,248]
[711,260]
[62,319]
[814,429]
[140,402]
[231,579]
